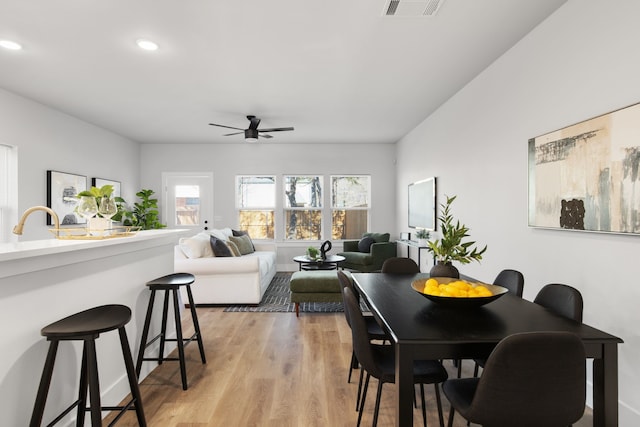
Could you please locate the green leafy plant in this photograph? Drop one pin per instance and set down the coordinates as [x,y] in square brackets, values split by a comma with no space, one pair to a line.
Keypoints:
[313,252]
[422,234]
[99,193]
[450,247]
[145,213]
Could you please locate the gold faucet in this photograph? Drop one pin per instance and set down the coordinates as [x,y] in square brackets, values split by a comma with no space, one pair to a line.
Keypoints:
[18,228]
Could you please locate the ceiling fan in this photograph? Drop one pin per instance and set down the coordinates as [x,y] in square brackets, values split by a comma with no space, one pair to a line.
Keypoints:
[252,133]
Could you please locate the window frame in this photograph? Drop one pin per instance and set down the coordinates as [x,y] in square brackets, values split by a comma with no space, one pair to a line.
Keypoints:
[321,209]
[333,207]
[8,192]
[260,208]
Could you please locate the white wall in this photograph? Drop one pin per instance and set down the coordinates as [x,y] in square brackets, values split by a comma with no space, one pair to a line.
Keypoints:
[581,62]
[226,161]
[50,140]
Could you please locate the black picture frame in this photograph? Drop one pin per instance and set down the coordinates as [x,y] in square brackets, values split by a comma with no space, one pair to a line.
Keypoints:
[99,182]
[62,188]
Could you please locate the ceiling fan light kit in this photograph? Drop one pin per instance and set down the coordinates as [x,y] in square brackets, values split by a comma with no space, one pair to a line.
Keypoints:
[252,133]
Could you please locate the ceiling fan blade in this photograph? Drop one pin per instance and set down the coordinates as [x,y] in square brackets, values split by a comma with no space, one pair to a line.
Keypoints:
[265,136]
[275,129]
[223,126]
[254,122]
[234,133]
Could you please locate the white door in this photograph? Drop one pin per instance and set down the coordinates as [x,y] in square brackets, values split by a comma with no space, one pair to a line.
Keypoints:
[188,200]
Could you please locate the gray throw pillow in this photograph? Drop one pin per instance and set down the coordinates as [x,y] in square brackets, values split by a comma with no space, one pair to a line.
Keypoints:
[237,233]
[364,245]
[219,247]
[244,244]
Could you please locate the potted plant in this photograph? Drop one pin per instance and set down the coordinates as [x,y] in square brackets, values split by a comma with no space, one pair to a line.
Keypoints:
[103,207]
[312,253]
[451,247]
[423,236]
[145,213]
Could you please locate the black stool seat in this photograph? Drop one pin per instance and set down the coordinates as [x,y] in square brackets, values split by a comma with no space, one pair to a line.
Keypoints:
[87,326]
[170,283]
[90,322]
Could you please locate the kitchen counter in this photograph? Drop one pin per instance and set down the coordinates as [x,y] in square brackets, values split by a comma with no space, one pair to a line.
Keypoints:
[23,257]
[43,281]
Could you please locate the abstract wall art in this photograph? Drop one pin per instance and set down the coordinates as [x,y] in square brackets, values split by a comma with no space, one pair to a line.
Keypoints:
[99,182]
[62,189]
[586,176]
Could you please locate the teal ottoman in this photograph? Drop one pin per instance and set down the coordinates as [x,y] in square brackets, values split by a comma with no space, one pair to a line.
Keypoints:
[314,286]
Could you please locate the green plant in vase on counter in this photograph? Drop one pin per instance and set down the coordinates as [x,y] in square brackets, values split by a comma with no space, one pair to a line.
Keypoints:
[102,196]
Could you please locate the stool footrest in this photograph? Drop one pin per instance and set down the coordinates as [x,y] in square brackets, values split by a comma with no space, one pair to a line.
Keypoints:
[154,339]
[159,359]
[64,413]
[184,340]
[123,409]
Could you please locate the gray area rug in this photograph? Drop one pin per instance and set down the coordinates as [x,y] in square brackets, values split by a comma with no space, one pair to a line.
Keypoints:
[276,299]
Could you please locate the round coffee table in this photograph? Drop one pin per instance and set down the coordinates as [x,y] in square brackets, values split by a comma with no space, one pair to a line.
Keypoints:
[307,264]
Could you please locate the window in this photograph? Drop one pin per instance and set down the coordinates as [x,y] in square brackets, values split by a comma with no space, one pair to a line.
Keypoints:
[303,207]
[256,202]
[350,204]
[187,205]
[8,191]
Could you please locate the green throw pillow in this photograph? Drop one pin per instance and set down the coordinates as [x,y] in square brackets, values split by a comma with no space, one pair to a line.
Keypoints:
[244,244]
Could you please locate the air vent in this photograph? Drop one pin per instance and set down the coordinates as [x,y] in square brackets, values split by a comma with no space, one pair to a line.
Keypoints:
[412,7]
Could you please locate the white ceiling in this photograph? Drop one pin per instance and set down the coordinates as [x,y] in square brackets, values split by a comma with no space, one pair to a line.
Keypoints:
[339,71]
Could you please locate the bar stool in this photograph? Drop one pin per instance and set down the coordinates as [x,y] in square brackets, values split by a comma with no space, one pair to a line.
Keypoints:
[170,282]
[87,326]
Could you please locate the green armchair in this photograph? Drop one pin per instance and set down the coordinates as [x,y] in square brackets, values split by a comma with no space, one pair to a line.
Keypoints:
[356,258]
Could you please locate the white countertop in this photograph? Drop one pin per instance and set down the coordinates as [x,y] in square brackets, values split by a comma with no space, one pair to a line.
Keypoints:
[19,257]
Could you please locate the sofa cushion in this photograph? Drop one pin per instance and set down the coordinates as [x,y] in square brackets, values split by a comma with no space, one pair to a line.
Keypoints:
[243,233]
[234,249]
[221,233]
[243,243]
[197,246]
[364,245]
[219,247]
[357,258]
[378,237]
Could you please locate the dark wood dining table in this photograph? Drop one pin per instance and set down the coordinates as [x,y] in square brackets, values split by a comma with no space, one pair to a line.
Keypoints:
[422,329]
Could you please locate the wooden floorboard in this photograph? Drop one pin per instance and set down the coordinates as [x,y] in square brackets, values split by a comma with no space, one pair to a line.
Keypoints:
[269,369]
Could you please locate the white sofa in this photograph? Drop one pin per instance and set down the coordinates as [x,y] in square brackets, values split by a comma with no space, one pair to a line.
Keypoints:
[227,280]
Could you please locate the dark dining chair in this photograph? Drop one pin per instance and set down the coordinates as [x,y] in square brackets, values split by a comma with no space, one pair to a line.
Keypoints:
[530,380]
[513,280]
[398,265]
[561,299]
[374,331]
[379,362]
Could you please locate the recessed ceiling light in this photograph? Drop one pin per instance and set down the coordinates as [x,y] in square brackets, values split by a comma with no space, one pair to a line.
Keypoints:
[146,44]
[8,44]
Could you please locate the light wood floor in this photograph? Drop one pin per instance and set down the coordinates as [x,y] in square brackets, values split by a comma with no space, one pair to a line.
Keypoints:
[269,369]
